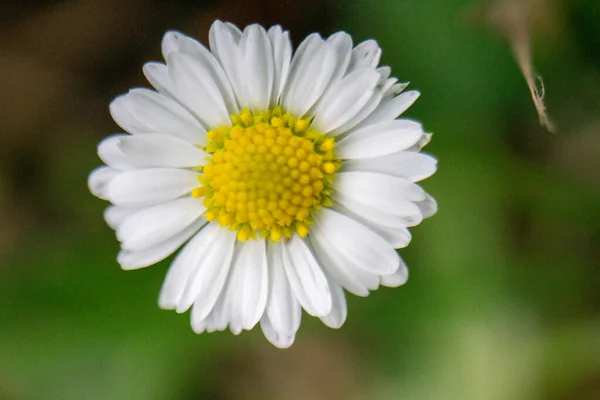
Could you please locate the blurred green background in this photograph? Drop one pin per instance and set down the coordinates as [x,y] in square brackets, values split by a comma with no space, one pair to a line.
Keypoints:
[503,301]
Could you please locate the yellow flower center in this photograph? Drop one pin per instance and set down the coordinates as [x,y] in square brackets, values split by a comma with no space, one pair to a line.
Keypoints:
[266,175]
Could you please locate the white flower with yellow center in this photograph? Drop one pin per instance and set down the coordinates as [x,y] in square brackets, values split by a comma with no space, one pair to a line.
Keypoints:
[289,177]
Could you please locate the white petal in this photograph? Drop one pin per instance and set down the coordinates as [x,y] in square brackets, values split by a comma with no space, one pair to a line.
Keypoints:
[224,39]
[341,43]
[256,69]
[184,265]
[214,321]
[366,54]
[158,76]
[278,340]
[428,206]
[391,89]
[363,113]
[139,259]
[196,89]
[394,233]
[306,278]
[392,108]
[283,310]
[178,42]
[311,72]
[202,325]
[404,164]
[282,57]
[344,100]
[382,191]
[115,215]
[137,188]
[190,260]
[111,154]
[99,180]
[396,279]
[342,269]
[370,105]
[171,42]
[207,281]
[398,238]
[379,139]
[145,111]
[402,215]
[385,72]
[339,310]
[154,225]
[237,33]
[159,150]
[424,141]
[370,251]
[247,286]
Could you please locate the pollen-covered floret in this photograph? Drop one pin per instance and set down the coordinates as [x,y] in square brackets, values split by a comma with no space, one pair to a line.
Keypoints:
[266,175]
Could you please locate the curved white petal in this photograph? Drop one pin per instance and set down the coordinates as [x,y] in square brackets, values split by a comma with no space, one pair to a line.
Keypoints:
[342,269]
[146,111]
[370,251]
[218,318]
[139,259]
[207,282]
[385,73]
[178,42]
[256,69]
[154,225]
[401,214]
[396,279]
[379,139]
[195,88]
[158,76]
[392,108]
[184,265]
[224,39]
[279,340]
[283,309]
[365,54]
[385,192]
[111,154]
[144,187]
[247,286]
[341,44]
[99,179]
[339,309]
[344,100]
[115,215]
[200,268]
[159,150]
[404,164]
[423,141]
[391,89]
[428,206]
[398,238]
[282,57]
[363,113]
[311,72]
[306,278]
[394,233]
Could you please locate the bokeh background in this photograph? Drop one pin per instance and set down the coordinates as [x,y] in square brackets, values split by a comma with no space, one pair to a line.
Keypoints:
[503,301]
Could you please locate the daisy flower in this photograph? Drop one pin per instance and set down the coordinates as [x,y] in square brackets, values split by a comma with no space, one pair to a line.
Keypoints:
[286,177]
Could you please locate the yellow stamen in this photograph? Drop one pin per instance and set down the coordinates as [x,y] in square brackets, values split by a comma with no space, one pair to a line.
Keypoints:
[266,175]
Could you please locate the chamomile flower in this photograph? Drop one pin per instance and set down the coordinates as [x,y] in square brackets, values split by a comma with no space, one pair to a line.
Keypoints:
[287,177]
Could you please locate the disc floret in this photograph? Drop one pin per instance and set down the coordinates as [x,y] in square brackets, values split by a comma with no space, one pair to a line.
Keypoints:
[266,175]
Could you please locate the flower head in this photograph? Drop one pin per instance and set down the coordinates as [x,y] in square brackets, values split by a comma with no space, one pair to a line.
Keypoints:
[287,178]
